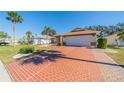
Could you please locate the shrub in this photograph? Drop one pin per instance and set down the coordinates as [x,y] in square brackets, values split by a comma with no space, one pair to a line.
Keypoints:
[27,49]
[25,43]
[61,43]
[58,44]
[64,43]
[102,43]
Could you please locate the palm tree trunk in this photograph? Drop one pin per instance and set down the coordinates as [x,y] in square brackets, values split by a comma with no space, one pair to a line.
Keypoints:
[117,45]
[14,25]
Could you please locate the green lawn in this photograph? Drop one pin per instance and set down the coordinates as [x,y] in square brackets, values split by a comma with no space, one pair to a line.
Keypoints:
[118,57]
[7,52]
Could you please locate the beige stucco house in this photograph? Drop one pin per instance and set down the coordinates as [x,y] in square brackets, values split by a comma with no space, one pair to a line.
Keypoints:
[113,40]
[79,37]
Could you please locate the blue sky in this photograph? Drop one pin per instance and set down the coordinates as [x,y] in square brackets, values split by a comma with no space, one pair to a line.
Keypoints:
[61,21]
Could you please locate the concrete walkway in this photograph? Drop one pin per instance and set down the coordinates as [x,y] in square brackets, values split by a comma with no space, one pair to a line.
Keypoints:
[4,76]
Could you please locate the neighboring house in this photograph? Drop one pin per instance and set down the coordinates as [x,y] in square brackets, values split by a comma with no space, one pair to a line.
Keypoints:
[4,41]
[41,39]
[7,40]
[79,37]
[113,40]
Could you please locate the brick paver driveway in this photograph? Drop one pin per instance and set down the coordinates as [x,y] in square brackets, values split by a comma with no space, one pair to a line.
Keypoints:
[67,63]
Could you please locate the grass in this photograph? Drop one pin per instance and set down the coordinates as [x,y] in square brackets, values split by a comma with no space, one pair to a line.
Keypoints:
[7,52]
[118,57]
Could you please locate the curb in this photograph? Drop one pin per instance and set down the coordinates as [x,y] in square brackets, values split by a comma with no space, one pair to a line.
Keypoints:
[7,73]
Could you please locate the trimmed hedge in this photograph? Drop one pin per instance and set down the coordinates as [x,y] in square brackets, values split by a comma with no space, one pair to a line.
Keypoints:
[27,49]
[102,43]
[25,43]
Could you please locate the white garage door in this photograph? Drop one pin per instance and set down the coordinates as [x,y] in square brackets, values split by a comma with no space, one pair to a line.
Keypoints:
[79,40]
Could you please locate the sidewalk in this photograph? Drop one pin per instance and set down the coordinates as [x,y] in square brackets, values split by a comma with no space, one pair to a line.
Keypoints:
[4,76]
[110,70]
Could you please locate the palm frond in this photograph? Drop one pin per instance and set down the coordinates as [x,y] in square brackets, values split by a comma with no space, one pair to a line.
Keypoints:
[8,18]
[14,17]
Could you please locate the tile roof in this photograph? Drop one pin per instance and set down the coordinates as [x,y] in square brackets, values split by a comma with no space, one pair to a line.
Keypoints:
[81,32]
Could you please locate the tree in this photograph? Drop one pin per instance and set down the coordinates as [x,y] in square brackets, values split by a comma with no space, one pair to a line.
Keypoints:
[3,35]
[29,36]
[106,30]
[15,18]
[48,31]
[120,25]
[121,34]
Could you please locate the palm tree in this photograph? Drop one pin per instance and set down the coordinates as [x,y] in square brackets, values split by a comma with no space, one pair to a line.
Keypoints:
[29,36]
[14,17]
[48,31]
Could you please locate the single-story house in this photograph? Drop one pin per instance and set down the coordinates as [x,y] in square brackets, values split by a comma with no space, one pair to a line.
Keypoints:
[41,39]
[5,40]
[79,37]
[113,40]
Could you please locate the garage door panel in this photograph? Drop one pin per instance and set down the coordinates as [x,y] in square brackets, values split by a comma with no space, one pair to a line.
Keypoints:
[79,40]
[77,44]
